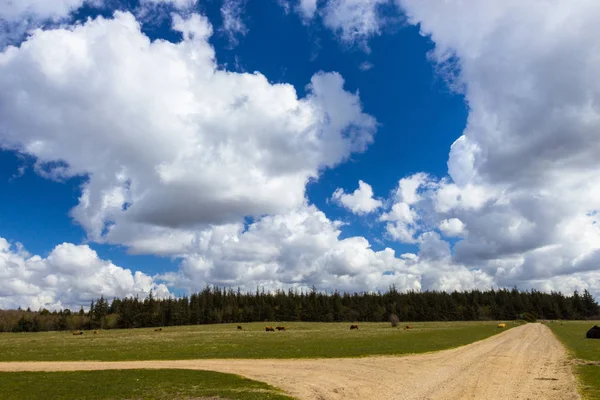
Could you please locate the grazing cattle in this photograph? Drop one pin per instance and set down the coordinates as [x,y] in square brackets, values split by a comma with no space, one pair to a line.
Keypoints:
[158,330]
[501,325]
[408,327]
[593,333]
[95,332]
[280,328]
[239,327]
[269,329]
[353,327]
[78,333]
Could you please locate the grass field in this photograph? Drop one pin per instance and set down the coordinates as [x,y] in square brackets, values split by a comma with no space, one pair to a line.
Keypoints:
[300,340]
[572,335]
[133,384]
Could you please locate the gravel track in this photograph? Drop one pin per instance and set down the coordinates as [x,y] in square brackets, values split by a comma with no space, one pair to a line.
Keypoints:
[526,362]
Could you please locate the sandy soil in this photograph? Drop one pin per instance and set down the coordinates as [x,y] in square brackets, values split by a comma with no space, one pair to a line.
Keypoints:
[522,363]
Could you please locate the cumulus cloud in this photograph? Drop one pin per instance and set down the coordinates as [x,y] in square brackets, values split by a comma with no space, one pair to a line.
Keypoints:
[521,175]
[361,201]
[570,283]
[37,9]
[408,188]
[452,227]
[401,223]
[170,140]
[422,203]
[70,276]
[19,16]
[303,248]
[403,219]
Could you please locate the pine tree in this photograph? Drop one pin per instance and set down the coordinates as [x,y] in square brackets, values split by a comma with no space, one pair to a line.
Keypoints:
[588,304]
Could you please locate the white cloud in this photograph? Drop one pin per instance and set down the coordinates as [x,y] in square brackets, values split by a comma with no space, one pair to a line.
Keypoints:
[366,66]
[452,227]
[233,24]
[156,12]
[307,9]
[71,276]
[170,140]
[401,223]
[361,201]
[522,175]
[570,283]
[178,4]
[19,16]
[404,217]
[450,196]
[355,21]
[299,248]
[303,248]
[14,10]
[285,4]
[408,188]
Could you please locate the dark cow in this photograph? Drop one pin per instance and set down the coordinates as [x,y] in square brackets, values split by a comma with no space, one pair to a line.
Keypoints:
[269,329]
[593,333]
[280,328]
[78,333]
[158,330]
[353,327]
[239,327]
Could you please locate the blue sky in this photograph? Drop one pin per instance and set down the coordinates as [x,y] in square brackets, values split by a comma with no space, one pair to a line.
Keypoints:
[436,218]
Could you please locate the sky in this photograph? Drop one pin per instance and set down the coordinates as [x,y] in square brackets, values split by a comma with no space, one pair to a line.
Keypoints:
[350,145]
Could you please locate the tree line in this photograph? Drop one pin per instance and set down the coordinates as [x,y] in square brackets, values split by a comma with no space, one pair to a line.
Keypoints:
[215,305]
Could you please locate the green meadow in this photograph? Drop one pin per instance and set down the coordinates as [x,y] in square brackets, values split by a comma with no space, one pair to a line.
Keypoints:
[133,384]
[586,352]
[299,340]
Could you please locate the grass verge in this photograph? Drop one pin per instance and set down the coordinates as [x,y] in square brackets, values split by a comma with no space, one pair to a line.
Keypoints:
[585,351]
[133,385]
[300,340]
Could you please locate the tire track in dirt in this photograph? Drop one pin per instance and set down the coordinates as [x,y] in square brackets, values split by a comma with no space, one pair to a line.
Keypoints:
[526,362]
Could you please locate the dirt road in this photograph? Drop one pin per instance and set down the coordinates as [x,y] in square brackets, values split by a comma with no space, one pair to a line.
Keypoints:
[523,363]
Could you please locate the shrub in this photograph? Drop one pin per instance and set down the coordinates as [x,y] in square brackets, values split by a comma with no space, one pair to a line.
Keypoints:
[394,320]
[529,317]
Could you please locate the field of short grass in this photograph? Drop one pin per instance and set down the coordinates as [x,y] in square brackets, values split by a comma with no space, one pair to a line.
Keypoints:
[133,384]
[572,335]
[300,340]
